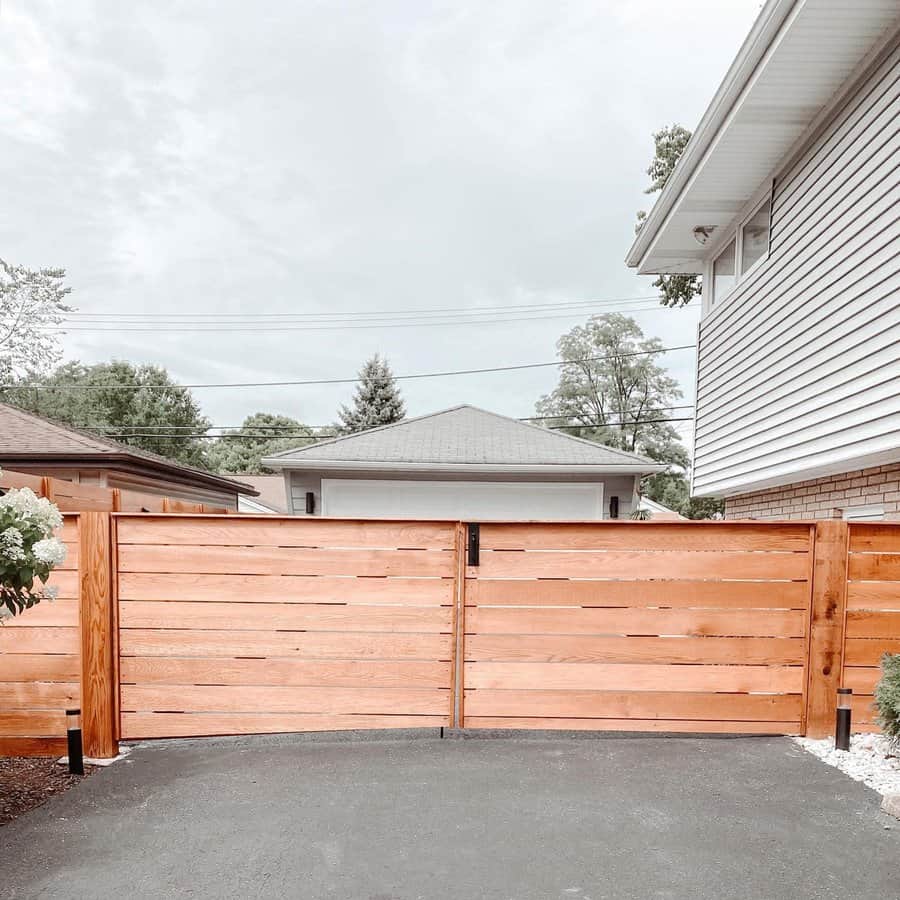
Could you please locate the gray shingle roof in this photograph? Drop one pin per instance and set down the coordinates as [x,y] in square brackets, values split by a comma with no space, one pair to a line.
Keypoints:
[463,435]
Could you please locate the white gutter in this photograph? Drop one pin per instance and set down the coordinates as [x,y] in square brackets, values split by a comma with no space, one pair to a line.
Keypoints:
[764,31]
[331,465]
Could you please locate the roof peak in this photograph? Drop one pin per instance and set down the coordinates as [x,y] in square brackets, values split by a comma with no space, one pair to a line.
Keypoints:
[479,437]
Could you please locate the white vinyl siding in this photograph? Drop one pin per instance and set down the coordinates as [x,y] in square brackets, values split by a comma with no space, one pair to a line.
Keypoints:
[799,368]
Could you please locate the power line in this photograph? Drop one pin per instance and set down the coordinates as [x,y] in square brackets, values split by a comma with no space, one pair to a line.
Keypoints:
[366,314]
[314,428]
[327,437]
[354,380]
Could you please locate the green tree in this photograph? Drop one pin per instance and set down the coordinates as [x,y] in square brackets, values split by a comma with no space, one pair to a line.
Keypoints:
[261,434]
[612,390]
[32,304]
[377,400]
[122,401]
[673,489]
[669,143]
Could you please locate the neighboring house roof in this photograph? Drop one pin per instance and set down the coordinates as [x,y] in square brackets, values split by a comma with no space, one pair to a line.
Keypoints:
[658,511]
[270,490]
[796,58]
[29,438]
[463,438]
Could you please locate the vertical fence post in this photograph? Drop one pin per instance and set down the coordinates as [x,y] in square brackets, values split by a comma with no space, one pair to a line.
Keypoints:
[97,637]
[826,625]
[457,647]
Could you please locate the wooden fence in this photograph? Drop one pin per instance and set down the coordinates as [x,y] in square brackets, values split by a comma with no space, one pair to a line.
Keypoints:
[191,625]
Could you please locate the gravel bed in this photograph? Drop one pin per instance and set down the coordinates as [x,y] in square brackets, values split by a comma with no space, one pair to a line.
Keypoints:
[871,759]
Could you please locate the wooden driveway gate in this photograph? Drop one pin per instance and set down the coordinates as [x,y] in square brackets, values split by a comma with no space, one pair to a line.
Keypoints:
[638,626]
[191,625]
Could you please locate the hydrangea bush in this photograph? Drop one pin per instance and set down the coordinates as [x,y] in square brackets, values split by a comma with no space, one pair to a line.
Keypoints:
[887,696]
[28,550]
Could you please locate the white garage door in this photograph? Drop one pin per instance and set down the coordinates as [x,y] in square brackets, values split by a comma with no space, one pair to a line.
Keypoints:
[465,500]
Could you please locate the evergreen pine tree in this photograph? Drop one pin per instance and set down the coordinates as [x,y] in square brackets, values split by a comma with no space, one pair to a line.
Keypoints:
[377,400]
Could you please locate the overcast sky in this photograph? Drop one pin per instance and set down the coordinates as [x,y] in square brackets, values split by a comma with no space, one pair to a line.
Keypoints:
[321,157]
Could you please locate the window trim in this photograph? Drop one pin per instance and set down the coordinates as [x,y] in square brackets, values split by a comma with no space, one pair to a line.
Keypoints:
[735,232]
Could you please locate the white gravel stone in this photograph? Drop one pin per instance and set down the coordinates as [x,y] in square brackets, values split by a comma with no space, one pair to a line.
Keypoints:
[871,759]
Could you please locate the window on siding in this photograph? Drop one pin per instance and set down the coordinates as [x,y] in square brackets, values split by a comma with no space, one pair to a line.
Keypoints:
[755,237]
[723,273]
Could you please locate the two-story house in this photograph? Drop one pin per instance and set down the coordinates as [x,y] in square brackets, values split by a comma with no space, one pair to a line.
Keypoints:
[786,201]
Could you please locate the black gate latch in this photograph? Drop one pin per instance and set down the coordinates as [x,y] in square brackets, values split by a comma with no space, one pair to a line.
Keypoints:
[474,543]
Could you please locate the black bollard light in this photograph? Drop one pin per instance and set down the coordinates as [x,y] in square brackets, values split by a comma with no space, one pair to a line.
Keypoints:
[842,719]
[73,734]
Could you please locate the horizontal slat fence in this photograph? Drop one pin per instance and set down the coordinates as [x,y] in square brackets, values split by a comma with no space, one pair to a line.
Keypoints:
[192,625]
[40,664]
[638,626]
[873,613]
[239,626]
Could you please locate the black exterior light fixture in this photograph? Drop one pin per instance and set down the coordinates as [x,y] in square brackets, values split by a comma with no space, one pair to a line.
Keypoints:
[310,503]
[842,719]
[614,507]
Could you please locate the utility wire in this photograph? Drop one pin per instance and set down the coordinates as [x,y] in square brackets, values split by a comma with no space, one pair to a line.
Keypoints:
[293,428]
[354,380]
[121,435]
[365,314]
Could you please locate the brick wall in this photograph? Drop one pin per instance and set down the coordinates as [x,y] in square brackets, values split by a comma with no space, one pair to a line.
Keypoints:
[823,498]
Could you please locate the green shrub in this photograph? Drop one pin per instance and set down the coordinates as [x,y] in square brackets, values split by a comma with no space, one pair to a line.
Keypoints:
[887,696]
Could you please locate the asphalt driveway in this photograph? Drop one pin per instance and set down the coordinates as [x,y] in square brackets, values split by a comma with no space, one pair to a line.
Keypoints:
[428,818]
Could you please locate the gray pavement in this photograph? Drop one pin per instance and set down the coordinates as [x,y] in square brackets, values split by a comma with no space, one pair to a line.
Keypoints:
[620,817]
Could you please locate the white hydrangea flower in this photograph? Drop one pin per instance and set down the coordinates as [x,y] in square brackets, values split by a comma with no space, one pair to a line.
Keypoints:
[50,551]
[51,592]
[11,545]
[24,504]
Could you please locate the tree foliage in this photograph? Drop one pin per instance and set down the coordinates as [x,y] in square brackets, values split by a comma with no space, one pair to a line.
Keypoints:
[669,143]
[673,489]
[377,400]
[612,390]
[261,434]
[32,303]
[122,401]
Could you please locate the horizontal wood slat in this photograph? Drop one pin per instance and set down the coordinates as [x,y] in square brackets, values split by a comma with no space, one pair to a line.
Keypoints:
[639,564]
[41,639]
[33,723]
[32,746]
[225,643]
[726,623]
[874,567]
[627,677]
[682,726]
[186,724]
[644,536]
[39,695]
[287,589]
[284,699]
[283,616]
[638,704]
[863,623]
[18,667]
[866,538]
[866,652]
[290,532]
[712,594]
[881,595]
[591,648]
[283,561]
[303,673]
